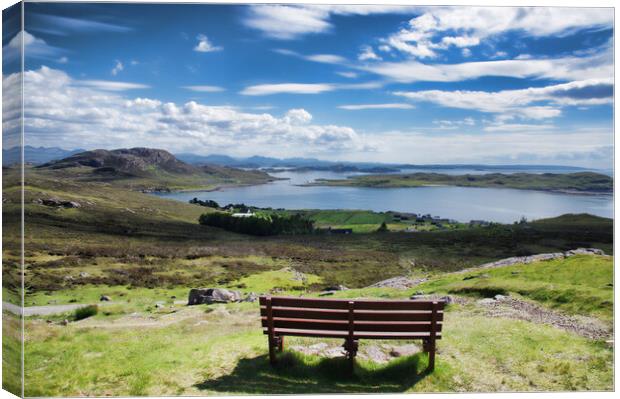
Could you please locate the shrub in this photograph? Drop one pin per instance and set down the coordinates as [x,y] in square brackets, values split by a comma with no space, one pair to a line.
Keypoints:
[259,225]
[85,312]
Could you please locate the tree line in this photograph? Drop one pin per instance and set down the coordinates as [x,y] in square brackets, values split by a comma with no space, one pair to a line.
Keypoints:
[259,224]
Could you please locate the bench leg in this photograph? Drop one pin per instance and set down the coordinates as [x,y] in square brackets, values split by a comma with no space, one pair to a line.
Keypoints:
[429,347]
[351,347]
[272,350]
[280,343]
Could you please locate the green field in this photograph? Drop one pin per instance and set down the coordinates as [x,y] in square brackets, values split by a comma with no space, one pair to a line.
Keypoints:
[141,250]
[567,182]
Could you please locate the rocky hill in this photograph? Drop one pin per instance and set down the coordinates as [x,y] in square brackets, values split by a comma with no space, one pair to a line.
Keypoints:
[150,169]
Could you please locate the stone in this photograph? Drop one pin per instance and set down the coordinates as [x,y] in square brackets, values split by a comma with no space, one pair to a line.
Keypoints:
[58,203]
[375,354]
[334,352]
[318,347]
[404,350]
[326,293]
[251,297]
[64,322]
[447,299]
[584,251]
[486,301]
[400,283]
[159,305]
[199,296]
[84,274]
[500,297]
[105,298]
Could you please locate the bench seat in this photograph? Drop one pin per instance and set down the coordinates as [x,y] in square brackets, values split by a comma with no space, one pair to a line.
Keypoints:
[351,320]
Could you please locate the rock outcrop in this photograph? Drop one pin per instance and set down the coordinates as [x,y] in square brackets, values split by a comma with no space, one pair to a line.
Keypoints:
[400,283]
[198,296]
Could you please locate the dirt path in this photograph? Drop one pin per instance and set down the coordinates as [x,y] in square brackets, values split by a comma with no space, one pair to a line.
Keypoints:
[512,308]
[46,309]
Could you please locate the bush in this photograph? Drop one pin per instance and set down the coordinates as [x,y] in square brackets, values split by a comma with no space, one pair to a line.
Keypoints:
[85,312]
[259,225]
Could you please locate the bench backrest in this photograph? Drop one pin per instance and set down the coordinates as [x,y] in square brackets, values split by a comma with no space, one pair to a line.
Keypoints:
[351,315]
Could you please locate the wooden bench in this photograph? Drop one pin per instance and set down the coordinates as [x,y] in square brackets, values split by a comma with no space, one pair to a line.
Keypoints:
[351,320]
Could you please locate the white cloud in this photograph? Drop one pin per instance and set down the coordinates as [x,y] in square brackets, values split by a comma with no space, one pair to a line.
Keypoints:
[279,88]
[327,58]
[357,107]
[469,26]
[517,127]
[63,60]
[445,124]
[347,74]
[287,22]
[598,66]
[524,103]
[322,58]
[466,52]
[109,85]
[63,111]
[34,47]
[118,66]
[368,54]
[580,147]
[204,88]
[305,88]
[204,45]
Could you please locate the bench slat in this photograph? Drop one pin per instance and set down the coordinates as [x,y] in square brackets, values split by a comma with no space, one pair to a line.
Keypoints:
[337,314]
[342,304]
[356,335]
[343,325]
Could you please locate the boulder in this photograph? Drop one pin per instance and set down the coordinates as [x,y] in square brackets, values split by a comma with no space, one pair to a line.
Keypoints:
[404,350]
[500,297]
[104,298]
[584,251]
[326,293]
[251,297]
[199,296]
[58,203]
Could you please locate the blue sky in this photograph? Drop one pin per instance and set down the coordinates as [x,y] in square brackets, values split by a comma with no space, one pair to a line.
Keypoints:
[380,83]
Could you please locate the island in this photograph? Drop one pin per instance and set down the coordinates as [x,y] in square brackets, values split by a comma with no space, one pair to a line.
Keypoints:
[580,182]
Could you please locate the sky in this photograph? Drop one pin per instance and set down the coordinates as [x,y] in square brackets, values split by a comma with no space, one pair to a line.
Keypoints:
[497,85]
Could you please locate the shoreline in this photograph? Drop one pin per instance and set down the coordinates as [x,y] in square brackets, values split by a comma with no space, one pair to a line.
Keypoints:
[553,191]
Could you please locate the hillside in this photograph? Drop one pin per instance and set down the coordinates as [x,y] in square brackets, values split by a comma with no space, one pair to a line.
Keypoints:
[584,182]
[149,169]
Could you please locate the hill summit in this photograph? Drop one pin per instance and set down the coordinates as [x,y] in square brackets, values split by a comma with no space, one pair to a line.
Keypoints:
[149,168]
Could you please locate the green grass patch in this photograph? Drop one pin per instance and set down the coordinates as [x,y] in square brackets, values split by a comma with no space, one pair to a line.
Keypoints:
[579,284]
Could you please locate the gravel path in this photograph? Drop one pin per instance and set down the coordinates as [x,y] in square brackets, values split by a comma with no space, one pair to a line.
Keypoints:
[46,309]
[512,308]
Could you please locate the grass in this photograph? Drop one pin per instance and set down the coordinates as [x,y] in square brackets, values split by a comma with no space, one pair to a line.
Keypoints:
[215,354]
[11,353]
[578,285]
[578,182]
[140,249]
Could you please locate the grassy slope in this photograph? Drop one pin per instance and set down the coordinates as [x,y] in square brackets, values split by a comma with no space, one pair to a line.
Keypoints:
[579,284]
[582,181]
[158,243]
[476,354]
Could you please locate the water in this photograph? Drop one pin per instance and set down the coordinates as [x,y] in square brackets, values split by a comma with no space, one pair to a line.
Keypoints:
[459,203]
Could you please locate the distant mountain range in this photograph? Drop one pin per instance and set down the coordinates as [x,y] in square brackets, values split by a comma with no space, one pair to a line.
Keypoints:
[36,155]
[41,155]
